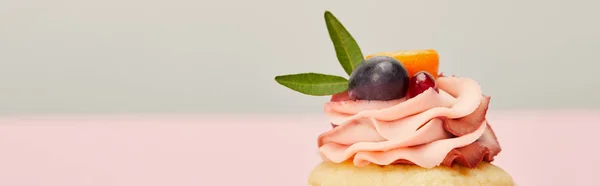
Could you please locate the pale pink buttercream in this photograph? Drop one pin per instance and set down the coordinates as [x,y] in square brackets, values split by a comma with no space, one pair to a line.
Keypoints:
[382,132]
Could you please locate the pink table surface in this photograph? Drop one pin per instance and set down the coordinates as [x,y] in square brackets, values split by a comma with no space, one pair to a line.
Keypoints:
[539,148]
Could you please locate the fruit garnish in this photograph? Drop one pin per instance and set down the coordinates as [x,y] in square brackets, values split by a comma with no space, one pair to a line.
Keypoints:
[420,82]
[348,54]
[415,60]
[383,76]
[378,78]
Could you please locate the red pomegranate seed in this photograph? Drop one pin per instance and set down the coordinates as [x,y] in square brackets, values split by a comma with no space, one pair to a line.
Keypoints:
[419,83]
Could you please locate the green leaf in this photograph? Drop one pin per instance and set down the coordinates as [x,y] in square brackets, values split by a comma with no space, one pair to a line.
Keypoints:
[346,48]
[313,83]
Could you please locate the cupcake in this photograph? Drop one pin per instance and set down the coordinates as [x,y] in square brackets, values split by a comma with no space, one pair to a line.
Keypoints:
[397,121]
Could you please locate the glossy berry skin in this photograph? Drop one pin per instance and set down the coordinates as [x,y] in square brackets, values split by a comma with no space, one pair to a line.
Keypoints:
[378,78]
[420,82]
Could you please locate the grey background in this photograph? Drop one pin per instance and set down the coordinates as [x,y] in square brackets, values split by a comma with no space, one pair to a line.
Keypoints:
[178,56]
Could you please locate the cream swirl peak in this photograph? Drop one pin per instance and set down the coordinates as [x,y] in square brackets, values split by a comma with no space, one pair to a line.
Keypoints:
[428,130]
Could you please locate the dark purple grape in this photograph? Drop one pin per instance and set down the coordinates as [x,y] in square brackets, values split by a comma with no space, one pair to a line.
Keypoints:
[378,78]
[420,82]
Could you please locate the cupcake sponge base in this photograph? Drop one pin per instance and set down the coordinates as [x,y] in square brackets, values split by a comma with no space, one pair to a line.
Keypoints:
[346,174]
